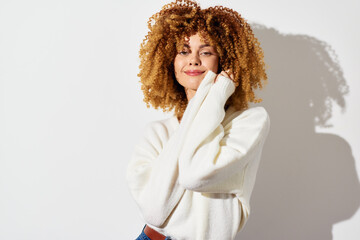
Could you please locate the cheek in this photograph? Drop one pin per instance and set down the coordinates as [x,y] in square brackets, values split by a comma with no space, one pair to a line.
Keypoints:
[177,64]
[213,64]
[177,67]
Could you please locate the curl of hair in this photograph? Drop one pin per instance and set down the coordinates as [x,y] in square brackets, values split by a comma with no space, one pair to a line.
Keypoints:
[224,28]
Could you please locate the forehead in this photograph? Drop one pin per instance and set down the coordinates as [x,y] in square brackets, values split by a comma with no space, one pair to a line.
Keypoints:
[195,40]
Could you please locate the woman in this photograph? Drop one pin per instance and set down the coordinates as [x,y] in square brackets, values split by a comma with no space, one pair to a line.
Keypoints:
[192,174]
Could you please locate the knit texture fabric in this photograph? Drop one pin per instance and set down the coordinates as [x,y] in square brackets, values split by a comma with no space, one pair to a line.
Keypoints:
[193,180]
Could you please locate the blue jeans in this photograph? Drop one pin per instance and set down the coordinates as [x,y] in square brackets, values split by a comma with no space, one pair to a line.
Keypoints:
[143,236]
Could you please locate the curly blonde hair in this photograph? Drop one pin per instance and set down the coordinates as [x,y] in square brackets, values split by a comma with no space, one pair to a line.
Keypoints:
[223,28]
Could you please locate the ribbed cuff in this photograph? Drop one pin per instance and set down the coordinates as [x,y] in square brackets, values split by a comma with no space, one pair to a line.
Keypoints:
[208,80]
[224,86]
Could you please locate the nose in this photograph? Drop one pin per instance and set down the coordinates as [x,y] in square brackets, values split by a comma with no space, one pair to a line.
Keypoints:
[194,60]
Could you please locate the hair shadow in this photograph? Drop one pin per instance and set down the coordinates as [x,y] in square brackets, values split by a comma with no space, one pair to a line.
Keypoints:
[307,180]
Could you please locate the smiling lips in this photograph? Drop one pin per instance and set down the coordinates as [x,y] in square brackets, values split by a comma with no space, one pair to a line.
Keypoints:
[194,72]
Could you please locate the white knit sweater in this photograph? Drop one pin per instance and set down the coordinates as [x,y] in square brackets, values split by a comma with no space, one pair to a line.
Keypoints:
[193,180]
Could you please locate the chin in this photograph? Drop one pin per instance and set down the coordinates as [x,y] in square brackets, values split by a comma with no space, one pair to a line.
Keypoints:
[192,86]
[192,81]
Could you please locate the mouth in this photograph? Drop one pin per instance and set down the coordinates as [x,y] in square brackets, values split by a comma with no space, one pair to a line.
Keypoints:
[194,72]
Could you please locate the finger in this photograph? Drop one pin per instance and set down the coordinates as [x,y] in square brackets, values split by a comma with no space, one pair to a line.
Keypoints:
[224,73]
[230,73]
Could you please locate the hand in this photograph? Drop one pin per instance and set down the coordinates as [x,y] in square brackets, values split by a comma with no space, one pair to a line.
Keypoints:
[227,74]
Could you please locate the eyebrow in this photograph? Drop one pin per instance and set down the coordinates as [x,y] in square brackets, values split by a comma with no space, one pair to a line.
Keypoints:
[201,46]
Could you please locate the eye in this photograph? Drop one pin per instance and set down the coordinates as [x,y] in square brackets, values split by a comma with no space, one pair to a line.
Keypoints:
[206,53]
[183,52]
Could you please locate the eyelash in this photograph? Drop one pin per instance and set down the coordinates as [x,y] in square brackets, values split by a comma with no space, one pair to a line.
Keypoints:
[202,53]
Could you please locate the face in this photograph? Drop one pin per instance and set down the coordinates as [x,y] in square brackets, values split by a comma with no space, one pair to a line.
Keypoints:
[193,62]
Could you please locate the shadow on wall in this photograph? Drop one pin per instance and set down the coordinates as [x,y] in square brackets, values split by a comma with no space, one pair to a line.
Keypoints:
[307,181]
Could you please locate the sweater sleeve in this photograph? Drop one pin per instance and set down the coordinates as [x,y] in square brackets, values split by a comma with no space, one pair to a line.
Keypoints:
[152,173]
[214,157]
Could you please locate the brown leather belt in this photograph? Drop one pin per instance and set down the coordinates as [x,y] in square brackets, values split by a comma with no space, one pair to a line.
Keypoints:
[152,234]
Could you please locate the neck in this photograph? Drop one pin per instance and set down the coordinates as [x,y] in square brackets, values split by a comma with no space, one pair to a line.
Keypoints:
[189,93]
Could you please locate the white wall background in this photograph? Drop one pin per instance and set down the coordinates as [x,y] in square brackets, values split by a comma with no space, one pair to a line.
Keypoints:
[71,111]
